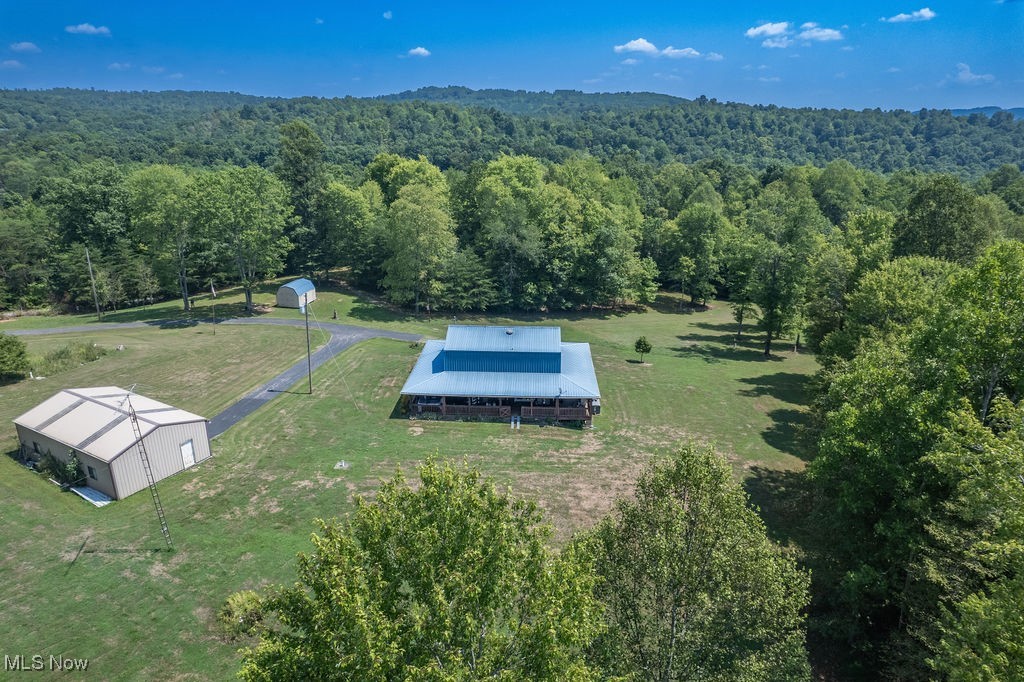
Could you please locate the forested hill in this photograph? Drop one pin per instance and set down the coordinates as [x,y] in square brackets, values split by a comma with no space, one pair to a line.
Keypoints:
[45,130]
[1017,112]
[557,103]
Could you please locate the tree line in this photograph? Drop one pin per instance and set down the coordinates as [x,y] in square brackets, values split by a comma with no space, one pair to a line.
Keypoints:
[783,245]
[47,132]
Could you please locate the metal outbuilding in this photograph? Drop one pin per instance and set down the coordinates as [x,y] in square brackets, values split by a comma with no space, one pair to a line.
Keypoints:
[525,372]
[94,424]
[296,293]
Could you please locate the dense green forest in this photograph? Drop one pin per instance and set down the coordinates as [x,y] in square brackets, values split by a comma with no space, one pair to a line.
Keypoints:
[889,244]
[453,127]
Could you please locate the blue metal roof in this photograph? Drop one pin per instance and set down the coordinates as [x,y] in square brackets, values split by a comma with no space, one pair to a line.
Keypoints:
[500,361]
[299,286]
[467,337]
[575,380]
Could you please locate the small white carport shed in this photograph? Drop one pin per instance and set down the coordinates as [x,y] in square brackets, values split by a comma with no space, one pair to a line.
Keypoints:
[93,423]
[296,294]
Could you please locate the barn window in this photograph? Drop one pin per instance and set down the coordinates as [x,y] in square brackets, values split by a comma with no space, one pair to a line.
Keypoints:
[92,472]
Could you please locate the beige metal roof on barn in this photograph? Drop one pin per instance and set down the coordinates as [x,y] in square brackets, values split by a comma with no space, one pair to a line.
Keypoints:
[95,420]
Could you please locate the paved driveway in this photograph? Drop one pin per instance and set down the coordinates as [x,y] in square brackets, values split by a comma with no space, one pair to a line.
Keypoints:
[342,337]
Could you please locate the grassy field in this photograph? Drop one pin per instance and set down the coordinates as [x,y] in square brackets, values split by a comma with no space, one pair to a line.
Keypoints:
[94,583]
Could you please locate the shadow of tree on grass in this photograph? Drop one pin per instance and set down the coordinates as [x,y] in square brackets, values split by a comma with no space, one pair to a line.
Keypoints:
[714,349]
[785,502]
[789,387]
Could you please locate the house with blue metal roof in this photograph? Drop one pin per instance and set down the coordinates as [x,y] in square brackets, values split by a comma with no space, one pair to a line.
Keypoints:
[504,372]
[296,294]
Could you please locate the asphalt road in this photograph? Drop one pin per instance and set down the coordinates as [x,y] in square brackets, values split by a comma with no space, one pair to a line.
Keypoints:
[342,337]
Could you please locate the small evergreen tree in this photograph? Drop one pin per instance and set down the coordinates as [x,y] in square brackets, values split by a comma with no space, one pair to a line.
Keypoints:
[642,346]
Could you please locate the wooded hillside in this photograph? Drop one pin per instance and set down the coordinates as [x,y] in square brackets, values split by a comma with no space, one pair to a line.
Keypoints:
[456,126]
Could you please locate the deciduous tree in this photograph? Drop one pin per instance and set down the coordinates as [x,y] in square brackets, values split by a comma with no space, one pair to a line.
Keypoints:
[13,357]
[692,587]
[450,580]
[244,212]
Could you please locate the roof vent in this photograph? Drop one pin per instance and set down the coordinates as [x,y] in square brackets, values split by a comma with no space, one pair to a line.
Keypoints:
[509,331]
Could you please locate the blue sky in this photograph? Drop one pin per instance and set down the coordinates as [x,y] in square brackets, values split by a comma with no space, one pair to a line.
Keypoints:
[893,54]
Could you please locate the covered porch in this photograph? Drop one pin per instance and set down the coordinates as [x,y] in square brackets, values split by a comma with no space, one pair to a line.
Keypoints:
[559,409]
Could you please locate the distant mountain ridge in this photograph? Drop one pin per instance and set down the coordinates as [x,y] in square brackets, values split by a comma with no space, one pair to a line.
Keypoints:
[1017,112]
[562,102]
[558,102]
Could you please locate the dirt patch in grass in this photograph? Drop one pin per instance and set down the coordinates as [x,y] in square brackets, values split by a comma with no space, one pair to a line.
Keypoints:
[415,430]
[210,492]
[321,481]
[575,501]
[160,571]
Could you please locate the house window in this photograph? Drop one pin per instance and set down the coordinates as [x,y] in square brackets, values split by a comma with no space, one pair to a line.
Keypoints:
[92,472]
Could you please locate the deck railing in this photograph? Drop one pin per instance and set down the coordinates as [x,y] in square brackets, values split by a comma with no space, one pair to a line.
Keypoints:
[527,412]
[485,410]
[555,412]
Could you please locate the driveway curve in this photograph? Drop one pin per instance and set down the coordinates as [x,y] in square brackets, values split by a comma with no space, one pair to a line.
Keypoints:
[343,336]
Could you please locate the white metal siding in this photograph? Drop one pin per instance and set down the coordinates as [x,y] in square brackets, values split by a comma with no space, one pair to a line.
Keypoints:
[103,482]
[164,449]
[288,298]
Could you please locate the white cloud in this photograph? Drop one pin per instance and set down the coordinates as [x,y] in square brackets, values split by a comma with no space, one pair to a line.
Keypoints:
[153,69]
[419,52]
[637,45]
[630,61]
[769,79]
[923,14]
[387,15]
[675,53]
[644,46]
[815,32]
[768,29]
[25,47]
[965,76]
[176,75]
[591,81]
[119,66]
[893,69]
[11,64]
[780,34]
[318,21]
[88,29]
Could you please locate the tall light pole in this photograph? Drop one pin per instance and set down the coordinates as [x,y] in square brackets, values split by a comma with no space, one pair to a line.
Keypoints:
[92,280]
[309,359]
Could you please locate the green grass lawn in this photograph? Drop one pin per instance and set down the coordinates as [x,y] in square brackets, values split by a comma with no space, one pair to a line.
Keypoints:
[238,519]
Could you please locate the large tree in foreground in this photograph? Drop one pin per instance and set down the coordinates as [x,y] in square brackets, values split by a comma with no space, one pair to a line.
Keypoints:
[451,580]
[693,588]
